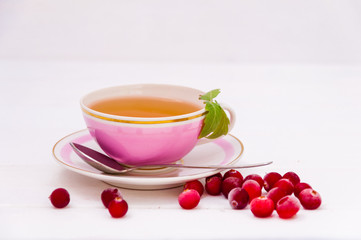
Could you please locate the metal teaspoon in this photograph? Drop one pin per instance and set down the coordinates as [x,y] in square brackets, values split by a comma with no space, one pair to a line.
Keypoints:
[106,164]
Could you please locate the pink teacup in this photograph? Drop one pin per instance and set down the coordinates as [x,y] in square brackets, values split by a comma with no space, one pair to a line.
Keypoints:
[151,140]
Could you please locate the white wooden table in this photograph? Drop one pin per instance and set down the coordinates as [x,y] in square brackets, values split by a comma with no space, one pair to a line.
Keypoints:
[306,119]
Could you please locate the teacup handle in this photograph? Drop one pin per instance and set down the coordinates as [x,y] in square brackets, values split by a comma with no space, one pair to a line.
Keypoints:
[232,120]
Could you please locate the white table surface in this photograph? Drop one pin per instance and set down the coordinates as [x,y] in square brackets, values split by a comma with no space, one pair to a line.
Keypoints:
[306,119]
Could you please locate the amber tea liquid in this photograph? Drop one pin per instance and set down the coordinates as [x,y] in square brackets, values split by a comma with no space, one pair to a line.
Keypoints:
[144,107]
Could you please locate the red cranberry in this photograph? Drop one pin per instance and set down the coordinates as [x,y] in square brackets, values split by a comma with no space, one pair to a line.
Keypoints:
[108,195]
[189,199]
[262,206]
[293,177]
[229,183]
[276,194]
[299,187]
[118,207]
[233,173]
[253,189]
[196,185]
[286,185]
[288,206]
[60,198]
[215,175]
[213,185]
[309,198]
[255,177]
[270,179]
[238,198]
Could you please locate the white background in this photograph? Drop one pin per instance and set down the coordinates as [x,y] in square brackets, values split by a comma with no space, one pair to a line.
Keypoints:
[290,69]
[304,31]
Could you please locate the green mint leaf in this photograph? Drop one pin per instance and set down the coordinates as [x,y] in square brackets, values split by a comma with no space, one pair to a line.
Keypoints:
[211,119]
[216,121]
[222,127]
[209,96]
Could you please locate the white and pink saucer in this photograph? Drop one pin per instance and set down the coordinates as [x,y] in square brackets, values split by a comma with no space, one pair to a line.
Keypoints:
[224,151]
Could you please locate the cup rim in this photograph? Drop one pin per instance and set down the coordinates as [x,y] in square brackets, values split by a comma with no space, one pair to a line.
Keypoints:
[141,120]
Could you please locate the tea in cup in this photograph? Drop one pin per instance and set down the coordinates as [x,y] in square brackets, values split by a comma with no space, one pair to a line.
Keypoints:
[146,123]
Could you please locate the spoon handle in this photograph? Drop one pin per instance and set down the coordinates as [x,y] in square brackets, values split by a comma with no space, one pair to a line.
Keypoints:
[206,166]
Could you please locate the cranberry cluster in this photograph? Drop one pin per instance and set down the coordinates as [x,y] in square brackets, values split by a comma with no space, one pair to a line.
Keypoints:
[113,200]
[285,194]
